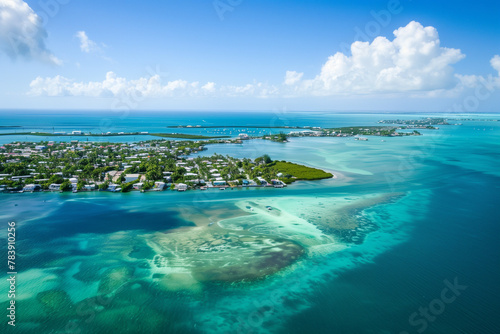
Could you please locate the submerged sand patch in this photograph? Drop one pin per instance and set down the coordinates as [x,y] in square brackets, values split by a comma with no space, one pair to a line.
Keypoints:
[214,255]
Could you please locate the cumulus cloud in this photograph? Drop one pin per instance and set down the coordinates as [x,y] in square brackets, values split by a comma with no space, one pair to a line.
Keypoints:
[22,34]
[413,64]
[490,82]
[112,85]
[412,61]
[115,86]
[209,87]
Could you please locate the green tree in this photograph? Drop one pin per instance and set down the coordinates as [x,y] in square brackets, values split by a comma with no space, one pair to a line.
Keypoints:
[104,186]
[80,185]
[66,185]
[121,179]
[154,173]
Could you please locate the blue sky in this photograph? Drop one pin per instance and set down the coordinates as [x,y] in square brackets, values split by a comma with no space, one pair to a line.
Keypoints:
[250,55]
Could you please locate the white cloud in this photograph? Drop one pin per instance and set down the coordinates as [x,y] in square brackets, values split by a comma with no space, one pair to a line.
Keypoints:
[22,34]
[89,46]
[489,82]
[412,65]
[209,87]
[113,86]
[413,61]
[292,77]
[495,63]
[86,44]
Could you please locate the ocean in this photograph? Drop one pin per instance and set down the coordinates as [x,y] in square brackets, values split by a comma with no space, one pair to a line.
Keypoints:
[405,239]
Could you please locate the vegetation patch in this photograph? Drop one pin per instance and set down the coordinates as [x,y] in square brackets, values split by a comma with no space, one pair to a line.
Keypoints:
[292,172]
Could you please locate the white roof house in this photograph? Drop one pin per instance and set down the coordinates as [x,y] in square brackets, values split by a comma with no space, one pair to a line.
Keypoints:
[54,186]
[131,177]
[181,187]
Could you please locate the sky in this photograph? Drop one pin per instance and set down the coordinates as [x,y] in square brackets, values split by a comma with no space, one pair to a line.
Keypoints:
[393,55]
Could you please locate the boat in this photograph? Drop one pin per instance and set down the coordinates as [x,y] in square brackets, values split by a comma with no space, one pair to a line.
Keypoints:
[222,188]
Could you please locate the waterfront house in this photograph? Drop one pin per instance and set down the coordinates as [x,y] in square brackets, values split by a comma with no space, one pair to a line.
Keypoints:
[32,187]
[159,186]
[54,187]
[278,183]
[219,183]
[113,187]
[181,187]
[262,181]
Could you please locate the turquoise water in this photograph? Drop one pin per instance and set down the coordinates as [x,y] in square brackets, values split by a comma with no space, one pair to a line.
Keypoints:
[98,122]
[402,216]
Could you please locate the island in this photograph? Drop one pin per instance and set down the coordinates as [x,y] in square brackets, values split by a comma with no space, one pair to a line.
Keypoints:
[154,165]
[423,123]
